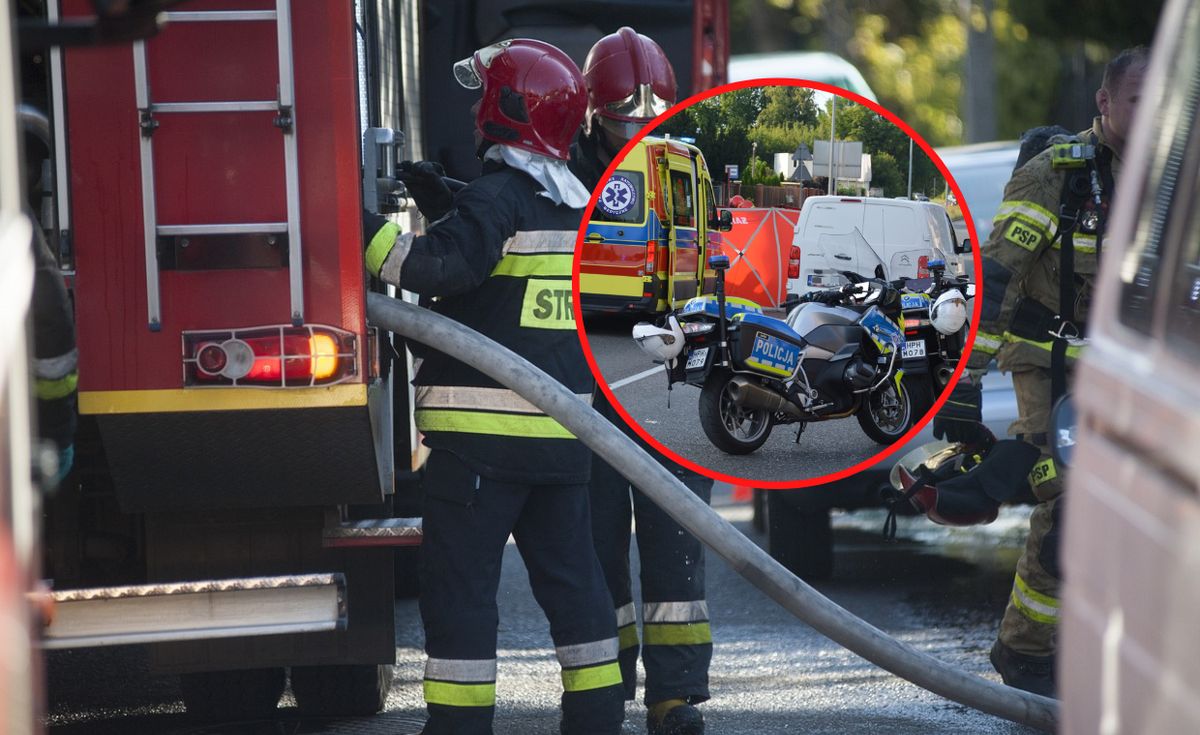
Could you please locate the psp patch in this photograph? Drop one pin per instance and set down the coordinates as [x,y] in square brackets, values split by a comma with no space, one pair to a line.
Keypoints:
[1023,235]
[618,197]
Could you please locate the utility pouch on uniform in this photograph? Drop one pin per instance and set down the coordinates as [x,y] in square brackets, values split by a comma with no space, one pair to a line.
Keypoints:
[1035,321]
[1071,155]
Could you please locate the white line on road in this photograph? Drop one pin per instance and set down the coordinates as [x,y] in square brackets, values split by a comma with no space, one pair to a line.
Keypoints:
[635,378]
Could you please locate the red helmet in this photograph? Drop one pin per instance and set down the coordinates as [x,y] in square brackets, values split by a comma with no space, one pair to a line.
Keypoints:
[629,82]
[533,95]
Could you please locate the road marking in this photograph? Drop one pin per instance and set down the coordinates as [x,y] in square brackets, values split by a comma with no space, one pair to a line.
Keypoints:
[635,378]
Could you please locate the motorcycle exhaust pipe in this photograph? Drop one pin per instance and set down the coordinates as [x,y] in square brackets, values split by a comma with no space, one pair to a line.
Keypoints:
[943,375]
[748,394]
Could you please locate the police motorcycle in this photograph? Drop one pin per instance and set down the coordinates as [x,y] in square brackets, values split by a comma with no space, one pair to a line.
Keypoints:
[837,355]
[935,331]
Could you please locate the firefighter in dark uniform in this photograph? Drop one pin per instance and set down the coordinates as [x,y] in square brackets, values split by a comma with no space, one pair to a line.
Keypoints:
[630,81]
[1039,266]
[500,262]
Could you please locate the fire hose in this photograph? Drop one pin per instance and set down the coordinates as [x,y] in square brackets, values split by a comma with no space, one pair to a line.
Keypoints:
[693,514]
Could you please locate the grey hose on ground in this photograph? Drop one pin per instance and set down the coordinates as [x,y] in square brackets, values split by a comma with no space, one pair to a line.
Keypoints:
[662,487]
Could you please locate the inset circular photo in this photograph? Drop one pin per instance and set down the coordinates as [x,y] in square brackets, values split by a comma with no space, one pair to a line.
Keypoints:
[772,287]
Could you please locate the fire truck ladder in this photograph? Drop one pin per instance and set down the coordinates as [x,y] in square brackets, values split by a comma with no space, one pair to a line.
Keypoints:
[284,120]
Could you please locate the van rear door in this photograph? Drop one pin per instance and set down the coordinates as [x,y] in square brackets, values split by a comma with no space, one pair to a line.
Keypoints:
[682,208]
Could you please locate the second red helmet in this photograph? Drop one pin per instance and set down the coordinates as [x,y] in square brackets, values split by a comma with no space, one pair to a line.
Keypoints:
[629,82]
[533,95]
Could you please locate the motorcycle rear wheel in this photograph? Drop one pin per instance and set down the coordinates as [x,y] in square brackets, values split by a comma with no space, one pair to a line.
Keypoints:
[886,414]
[730,428]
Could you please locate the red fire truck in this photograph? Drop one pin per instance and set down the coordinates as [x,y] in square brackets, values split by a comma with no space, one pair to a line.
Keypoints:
[236,496]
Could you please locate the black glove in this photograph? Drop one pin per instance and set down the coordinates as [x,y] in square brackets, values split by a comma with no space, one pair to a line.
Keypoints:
[423,179]
[961,418]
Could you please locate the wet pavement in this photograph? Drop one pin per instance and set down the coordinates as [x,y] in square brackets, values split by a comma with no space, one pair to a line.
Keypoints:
[941,590]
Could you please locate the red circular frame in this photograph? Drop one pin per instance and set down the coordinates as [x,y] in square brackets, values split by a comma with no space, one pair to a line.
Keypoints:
[883,453]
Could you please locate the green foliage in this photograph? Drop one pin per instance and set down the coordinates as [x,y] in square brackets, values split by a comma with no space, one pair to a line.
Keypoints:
[887,174]
[913,52]
[760,172]
[788,107]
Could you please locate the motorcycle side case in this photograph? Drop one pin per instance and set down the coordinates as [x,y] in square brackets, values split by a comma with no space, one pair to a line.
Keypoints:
[767,346]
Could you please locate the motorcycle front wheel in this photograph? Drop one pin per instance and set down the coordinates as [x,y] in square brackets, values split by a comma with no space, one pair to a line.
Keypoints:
[731,428]
[887,413]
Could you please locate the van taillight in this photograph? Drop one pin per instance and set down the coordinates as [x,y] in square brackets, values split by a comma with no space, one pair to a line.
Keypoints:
[278,356]
[794,262]
[923,266]
[651,257]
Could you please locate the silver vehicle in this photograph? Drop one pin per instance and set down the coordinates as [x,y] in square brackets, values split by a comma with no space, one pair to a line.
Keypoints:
[1130,653]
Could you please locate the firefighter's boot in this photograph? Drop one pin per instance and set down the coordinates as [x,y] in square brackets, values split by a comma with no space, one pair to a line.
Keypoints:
[674,717]
[1023,671]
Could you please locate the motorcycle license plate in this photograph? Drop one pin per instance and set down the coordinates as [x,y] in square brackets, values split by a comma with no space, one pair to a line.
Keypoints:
[914,348]
[696,358]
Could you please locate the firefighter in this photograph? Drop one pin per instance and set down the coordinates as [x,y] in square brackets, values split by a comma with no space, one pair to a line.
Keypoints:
[55,359]
[1039,266]
[630,81]
[500,262]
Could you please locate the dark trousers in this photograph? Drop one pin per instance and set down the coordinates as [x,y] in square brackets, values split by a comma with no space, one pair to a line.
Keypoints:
[467,522]
[676,645]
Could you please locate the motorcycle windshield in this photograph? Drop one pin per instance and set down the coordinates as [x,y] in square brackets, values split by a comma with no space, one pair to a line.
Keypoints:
[848,251]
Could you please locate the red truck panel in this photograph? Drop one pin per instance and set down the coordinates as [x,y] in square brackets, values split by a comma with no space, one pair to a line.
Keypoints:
[211,168]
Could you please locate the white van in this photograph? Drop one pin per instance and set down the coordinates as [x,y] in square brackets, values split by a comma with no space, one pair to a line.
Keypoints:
[905,234]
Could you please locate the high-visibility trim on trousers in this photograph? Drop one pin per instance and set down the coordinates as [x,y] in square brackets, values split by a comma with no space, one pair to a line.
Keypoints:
[53,368]
[677,634]
[687,611]
[683,623]
[627,634]
[1036,606]
[587,666]
[460,682]
[49,390]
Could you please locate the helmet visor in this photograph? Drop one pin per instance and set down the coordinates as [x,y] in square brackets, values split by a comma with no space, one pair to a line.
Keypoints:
[465,74]
[620,132]
[643,105]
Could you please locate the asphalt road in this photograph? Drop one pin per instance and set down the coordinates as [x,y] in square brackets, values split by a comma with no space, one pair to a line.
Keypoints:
[673,419]
[941,590]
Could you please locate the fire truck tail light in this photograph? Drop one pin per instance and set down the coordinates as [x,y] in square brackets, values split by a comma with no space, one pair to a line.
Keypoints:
[277,356]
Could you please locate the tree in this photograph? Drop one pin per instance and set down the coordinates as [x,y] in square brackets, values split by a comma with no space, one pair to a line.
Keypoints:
[788,107]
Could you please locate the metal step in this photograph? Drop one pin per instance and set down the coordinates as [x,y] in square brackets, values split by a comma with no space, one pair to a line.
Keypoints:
[199,610]
[375,532]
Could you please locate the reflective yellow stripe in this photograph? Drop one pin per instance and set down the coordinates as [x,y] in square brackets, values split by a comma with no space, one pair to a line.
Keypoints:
[1081,243]
[535,265]
[1043,472]
[220,399]
[628,636]
[1031,212]
[497,424]
[986,342]
[49,390]
[1073,352]
[604,285]
[460,695]
[381,245]
[547,305]
[591,677]
[1034,605]
[688,634]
